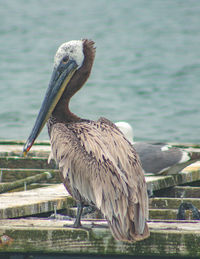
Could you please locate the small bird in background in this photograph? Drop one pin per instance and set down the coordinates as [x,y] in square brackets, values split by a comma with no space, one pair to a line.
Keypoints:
[159,158]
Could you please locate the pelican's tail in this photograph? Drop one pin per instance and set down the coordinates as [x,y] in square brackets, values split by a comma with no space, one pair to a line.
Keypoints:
[128,230]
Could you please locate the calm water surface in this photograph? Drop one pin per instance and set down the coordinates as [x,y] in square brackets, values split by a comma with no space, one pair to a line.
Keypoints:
[146,71]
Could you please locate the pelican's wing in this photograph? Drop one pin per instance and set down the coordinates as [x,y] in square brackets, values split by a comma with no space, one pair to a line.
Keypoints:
[103,168]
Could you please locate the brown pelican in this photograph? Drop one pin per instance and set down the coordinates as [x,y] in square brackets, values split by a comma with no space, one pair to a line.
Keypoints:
[159,158]
[98,165]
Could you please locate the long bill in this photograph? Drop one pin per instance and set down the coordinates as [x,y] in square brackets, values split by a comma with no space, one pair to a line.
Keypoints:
[58,83]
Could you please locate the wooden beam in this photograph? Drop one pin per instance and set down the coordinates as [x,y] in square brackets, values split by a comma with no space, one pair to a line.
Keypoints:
[26,162]
[15,149]
[171,203]
[36,201]
[155,183]
[28,180]
[49,236]
[13,174]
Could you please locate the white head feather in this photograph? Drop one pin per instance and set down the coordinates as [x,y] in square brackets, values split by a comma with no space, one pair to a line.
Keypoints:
[73,49]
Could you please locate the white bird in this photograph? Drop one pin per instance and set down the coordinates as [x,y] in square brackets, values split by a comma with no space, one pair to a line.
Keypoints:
[159,158]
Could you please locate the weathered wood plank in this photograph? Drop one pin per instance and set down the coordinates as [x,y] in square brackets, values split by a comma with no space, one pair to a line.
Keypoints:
[26,162]
[39,149]
[153,182]
[171,203]
[172,238]
[37,205]
[50,236]
[28,180]
[13,174]
[160,182]
[159,214]
[184,191]
[163,214]
[41,200]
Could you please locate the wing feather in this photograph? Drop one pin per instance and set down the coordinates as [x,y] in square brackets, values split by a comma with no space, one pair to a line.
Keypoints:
[101,167]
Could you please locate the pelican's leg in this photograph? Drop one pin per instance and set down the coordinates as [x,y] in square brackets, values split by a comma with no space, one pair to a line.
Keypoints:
[88,210]
[77,223]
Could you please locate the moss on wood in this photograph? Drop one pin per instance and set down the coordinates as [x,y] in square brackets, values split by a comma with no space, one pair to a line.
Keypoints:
[13,174]
[28,180]
[26,162]
[54,238]
[171,203]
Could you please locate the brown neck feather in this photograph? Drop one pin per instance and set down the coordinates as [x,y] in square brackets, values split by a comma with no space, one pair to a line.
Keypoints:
[62,112]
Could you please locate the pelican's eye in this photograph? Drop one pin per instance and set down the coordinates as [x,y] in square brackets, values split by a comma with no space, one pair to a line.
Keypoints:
[65,60]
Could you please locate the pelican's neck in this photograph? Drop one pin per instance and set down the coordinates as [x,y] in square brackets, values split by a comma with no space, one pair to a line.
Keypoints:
[62,113]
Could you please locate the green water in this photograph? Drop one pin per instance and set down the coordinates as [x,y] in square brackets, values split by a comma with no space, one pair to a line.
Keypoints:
[146,71]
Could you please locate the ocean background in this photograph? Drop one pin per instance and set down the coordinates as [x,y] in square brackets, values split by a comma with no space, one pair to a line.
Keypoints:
[146,70]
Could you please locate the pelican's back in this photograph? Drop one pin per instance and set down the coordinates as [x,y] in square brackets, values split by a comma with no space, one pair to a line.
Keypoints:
[101,167]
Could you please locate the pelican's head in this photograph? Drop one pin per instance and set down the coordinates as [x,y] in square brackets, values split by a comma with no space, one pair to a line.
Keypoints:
[71,57]
[71,50]
[126,129]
